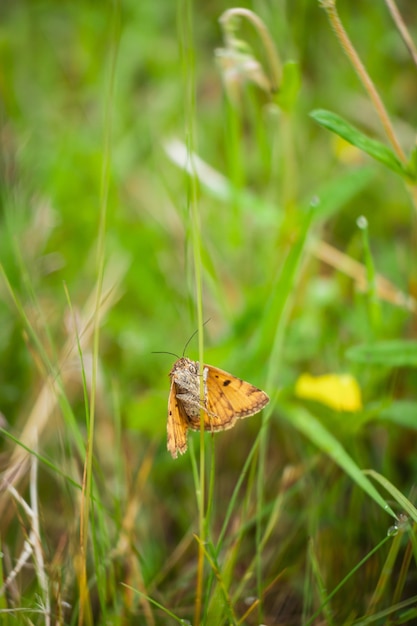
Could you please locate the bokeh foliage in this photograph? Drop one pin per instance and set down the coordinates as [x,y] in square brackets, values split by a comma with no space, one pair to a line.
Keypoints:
[63,109]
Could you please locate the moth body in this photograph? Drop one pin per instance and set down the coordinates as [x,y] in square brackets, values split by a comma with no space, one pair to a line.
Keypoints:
[185,375]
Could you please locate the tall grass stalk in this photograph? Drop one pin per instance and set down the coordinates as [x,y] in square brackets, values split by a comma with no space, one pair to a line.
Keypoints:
[185,18]
[85,613]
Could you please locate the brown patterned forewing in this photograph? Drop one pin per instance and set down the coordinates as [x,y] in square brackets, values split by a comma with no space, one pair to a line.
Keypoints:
[177,424]
[228,399]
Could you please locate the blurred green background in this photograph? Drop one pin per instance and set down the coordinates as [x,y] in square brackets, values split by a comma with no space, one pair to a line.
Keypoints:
[92,94]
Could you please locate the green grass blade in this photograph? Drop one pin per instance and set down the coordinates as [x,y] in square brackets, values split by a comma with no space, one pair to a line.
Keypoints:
[404,502]
[392,353]
[306,423]
[373,148]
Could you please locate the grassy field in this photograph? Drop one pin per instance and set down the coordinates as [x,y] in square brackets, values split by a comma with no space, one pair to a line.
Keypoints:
[253,179]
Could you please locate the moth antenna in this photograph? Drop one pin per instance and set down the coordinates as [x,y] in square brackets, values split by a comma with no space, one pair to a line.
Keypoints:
[193,335]
[163,352]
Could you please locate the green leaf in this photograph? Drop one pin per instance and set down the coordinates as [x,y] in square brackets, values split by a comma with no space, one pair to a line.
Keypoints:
[395,353]
[373,148]
[402,412]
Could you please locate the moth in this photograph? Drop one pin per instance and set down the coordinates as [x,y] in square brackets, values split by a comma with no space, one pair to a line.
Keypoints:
[226,399]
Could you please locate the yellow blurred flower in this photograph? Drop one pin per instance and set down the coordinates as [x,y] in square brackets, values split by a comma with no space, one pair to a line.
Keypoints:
[345,152]
[338,391]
